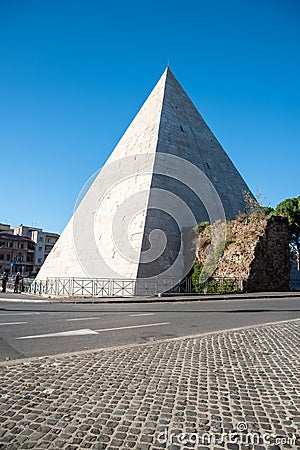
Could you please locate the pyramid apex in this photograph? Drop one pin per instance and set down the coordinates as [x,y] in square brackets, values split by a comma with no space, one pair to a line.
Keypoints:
[167,69]
[167,73]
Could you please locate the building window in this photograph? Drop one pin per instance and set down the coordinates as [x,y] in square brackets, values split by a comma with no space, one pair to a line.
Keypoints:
[7,258]
[40,249]
[39,260]
[10,244]
[1,257]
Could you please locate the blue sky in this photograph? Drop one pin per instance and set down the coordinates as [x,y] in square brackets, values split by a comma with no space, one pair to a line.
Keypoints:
[74,74]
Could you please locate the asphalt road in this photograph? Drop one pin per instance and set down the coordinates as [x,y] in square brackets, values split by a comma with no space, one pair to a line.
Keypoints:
[40,329]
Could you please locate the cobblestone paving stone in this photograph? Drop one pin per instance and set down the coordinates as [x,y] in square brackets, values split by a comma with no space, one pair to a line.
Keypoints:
[145,397]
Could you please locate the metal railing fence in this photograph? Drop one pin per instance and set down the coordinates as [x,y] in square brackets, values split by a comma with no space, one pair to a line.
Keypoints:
[103,287]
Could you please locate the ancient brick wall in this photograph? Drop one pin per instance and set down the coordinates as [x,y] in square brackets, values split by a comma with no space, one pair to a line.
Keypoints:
[256,250]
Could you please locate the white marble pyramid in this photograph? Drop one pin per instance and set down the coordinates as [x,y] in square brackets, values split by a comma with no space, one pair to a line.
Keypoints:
[135,222]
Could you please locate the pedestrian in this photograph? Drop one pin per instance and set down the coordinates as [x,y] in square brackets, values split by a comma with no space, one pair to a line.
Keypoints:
[4,280]
[17,282]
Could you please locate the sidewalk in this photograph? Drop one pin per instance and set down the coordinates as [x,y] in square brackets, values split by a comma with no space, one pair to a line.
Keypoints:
[170,394]
[24,297]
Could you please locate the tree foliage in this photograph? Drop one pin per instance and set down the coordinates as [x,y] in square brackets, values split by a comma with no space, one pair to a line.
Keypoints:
[290,208]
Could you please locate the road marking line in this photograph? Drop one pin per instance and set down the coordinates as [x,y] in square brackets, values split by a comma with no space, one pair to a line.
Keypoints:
[142,314]
[11,323]
[18,314]
[62,333]
[86,331]
[82,318]
[134,326]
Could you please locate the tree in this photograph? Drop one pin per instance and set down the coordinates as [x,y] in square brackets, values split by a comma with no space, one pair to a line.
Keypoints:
[267,210]
[290,208]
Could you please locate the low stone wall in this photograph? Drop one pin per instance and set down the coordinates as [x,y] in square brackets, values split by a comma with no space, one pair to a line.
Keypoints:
[256,250]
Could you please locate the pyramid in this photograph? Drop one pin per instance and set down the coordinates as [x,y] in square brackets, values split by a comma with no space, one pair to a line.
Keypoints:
[136,221]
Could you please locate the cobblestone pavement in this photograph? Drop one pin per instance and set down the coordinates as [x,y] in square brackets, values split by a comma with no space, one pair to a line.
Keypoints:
[175,394]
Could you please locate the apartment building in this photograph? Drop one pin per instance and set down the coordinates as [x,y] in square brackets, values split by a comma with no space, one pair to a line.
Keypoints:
[6,228]
[16,254]
[44,242]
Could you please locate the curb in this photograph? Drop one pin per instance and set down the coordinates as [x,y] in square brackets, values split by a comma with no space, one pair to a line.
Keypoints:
[162,299]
